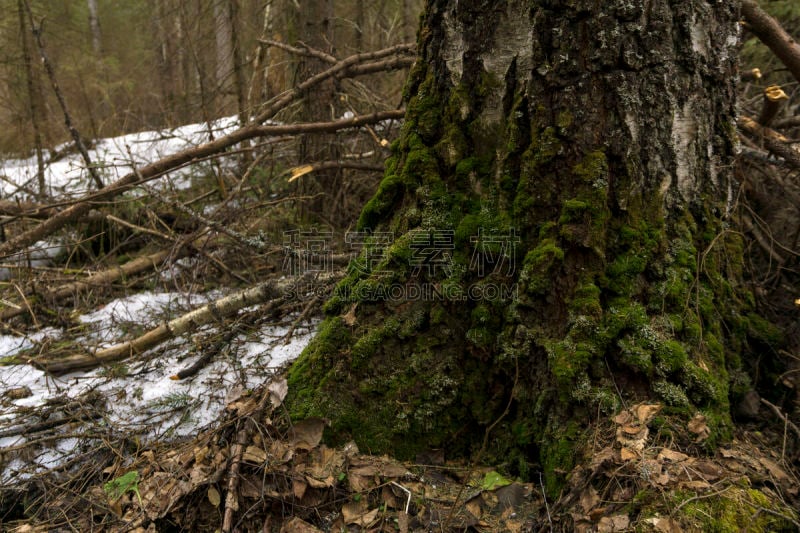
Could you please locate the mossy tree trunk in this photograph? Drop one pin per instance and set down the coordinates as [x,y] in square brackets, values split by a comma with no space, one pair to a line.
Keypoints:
[570,165]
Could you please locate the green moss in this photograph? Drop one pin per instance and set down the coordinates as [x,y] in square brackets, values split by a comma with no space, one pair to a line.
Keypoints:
[634,355]
[586,300]
[366,347]
[670,356]
[671,394]
[538,264]
[736,508]
[764,331]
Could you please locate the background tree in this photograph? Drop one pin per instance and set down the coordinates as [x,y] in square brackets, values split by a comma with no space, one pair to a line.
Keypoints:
[601,136]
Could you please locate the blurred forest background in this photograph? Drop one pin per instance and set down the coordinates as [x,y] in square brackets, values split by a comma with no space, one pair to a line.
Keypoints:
[132,65]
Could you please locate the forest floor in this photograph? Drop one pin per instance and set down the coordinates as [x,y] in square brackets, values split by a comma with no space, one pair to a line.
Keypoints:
[190,434]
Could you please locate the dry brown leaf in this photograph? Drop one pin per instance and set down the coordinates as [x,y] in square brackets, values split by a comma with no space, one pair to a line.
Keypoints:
[296,525]
[665,525]
[672,455]
[607,454]
[632,430]
[390,499]
[349,317]
[698,426]
[353,511]
[610,524]
[589,499]
[402,521]
[358,483]
[321,483]
[709,470]
[662,479]
[623,417]
[628,455]
[697,484]
[279,452]
[475,506]
[278,391]
[299,487]
[306,434]
[200,454]
[213,496]
[646,411]
[776,471]
[254,455]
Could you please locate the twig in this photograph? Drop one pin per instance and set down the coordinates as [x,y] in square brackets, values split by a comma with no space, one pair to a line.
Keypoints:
[288,337]
[206,314]
[546,505]
[775,409]
[158,168]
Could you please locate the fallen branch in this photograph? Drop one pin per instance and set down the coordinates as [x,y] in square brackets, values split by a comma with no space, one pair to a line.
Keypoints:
[771,33]
[773,141]
[157,168]
[207,314]
[104,278]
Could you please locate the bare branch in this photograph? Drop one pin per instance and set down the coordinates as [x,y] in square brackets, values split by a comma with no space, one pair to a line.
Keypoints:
[773,140]
[157,168]
[207,314]
[772,34]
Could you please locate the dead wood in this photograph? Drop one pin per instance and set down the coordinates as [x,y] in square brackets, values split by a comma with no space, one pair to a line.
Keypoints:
[212,312]
[158,168]
[772,140]
[105,277]
[771,33]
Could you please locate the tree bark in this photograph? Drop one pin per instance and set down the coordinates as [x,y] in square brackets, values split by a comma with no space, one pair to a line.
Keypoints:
[94,27]
[34,101]
[557,203]
[316,24]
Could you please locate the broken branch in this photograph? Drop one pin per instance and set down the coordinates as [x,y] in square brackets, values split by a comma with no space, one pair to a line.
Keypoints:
[772,34]
[157,168]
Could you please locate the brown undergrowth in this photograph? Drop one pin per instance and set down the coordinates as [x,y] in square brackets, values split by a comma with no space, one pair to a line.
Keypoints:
[254,471]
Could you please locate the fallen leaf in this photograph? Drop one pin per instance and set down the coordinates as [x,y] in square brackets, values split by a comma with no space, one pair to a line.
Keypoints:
[296,525]
[776,471]
[589,499]
[666,525]
[672,455]
[299,487]
[277,392]
[610,524]
[646,411]
[475,506]
[349,318]
[306,434]
[697,425]
[213,496]
[623,417]
[353,511]
[628,455]
[254,455]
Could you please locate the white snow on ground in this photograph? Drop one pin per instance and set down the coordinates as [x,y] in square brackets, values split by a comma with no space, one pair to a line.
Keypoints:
[142,399]
[68,177]
[139,395]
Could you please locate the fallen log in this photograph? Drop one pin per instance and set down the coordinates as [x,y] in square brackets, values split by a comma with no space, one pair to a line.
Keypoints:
[160,167]
[214,311]
[103,278]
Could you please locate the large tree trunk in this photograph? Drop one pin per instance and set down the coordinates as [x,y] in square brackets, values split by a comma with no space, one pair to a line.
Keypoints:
[557,203]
